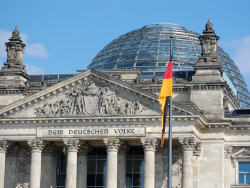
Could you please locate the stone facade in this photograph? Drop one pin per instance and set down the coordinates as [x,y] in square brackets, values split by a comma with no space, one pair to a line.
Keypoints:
[116,110]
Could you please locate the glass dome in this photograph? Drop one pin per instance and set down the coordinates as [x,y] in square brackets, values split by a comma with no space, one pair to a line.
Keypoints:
[147,49]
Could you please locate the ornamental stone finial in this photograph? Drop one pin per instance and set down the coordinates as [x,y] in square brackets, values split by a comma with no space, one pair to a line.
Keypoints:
[209,26]
[3,146]
[208,41]
[149,143]
[15,33]
[72,145]
[208,68]
[36,145]
[112,144]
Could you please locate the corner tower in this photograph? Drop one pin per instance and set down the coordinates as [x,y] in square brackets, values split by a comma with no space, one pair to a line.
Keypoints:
[209,91]
[13,76]
[13,73]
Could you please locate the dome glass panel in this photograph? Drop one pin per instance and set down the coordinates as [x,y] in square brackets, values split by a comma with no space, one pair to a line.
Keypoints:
[148,49]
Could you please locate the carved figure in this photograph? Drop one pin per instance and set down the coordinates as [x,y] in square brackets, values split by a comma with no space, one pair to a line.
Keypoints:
[87,99]
[22,185]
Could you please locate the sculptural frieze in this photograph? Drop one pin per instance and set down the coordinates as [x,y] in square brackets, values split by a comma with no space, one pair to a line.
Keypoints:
[87,99]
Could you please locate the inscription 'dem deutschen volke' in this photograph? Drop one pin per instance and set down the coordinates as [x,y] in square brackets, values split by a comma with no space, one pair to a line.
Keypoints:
[90,132]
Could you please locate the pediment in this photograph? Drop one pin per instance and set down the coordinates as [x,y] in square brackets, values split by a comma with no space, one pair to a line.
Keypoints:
[242,153]
[90,93]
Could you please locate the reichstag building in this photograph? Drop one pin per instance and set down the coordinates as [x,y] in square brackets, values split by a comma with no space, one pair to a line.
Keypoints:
[101,127]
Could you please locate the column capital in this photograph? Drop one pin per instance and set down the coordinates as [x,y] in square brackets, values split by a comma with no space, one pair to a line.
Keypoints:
[3,146]
[187,143]
[149,143]
[112,144]
[72,145]
[36,145]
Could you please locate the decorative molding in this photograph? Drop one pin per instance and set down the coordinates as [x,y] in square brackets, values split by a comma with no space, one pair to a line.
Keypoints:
[241,153]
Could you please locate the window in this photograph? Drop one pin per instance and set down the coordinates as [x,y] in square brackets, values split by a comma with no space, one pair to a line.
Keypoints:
[244,172]
[135,168]
[97,168]
[61,167]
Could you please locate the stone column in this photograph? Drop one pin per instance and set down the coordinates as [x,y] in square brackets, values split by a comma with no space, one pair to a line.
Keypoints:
[122,166]
[187,162]
[82,166]
[3,148]
[149,145]
[72,146]
[112,149]
[35,167]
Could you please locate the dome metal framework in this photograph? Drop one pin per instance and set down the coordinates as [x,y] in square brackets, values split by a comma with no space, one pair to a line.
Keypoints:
[148,49]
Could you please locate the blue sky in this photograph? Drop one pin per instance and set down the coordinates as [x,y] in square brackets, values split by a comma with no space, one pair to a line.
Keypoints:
[63,36]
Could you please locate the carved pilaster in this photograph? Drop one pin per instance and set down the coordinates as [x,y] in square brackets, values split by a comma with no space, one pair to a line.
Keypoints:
[197,149]
[112,144]
[228,151]
[23,164]
[49,149]
[13,150]
[123,147]
[83,148]
[3,146]
[72,145]
[36,145]
[149,144]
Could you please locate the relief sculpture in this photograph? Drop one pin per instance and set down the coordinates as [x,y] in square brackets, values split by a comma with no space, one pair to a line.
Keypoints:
[88,99]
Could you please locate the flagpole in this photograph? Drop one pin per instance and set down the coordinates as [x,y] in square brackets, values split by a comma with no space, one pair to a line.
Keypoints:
[170,126]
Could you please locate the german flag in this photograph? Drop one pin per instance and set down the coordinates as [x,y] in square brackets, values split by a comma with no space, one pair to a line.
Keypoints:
[164,96]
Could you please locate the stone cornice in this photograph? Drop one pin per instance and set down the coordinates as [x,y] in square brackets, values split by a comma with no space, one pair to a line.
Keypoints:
[98,119]
[13,91]
[201,122]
